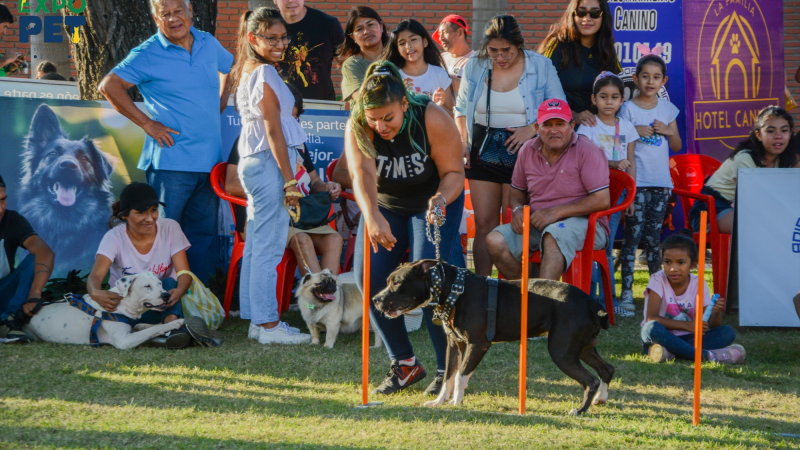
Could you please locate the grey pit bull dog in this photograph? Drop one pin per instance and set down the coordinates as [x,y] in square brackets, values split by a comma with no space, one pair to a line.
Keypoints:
[61,323]
[569,316]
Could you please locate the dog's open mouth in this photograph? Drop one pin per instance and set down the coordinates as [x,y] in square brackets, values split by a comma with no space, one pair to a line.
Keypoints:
[395,313]
[324,297]
[161,307]
[65,195]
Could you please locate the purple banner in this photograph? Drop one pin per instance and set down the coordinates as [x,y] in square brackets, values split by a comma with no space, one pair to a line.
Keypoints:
[734,67]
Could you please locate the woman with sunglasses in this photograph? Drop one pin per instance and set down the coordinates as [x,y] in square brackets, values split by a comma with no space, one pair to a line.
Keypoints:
[268,146]
[513,82]
[581,46]
[364,38]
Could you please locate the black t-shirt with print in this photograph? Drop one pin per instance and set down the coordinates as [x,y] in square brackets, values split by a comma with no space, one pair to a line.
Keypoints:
[14,230]
[308,61]
[578,80]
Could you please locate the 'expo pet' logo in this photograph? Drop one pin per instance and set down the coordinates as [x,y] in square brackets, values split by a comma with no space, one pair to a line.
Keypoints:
[32,25]
[796,237]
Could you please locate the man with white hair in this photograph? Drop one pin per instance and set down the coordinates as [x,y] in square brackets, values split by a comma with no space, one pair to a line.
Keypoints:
[181,73]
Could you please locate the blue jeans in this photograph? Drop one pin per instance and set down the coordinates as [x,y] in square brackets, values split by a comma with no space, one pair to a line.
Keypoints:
[683,346]
[193,204]
[267,229]
[15,287]
[410,232]
[613,225]
[156,317]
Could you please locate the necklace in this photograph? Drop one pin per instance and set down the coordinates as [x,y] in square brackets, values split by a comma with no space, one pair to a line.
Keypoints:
[401,130]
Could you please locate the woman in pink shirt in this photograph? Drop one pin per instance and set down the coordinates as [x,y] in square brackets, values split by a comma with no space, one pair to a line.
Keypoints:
[143,242]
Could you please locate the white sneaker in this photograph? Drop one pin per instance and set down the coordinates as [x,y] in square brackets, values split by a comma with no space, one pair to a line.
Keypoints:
[282,334]
[252,332]
[626,301]
[619,311]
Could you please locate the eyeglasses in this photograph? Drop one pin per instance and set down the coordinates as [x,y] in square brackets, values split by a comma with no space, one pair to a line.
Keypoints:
[274,41]
[594,13]
[506,53]
[361,29]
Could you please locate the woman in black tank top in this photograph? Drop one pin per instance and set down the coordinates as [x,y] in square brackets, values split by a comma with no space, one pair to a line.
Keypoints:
[404,154]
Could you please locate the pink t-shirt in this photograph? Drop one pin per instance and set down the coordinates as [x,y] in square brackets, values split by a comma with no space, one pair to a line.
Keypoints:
[581,170]
[673,306]
[126,260]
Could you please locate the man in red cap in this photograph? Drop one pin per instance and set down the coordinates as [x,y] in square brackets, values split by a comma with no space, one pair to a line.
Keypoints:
[564,178]
[452,36]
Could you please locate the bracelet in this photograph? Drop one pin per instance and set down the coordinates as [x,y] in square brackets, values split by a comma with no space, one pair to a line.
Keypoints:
[289,184]
[515,209]
[444,200]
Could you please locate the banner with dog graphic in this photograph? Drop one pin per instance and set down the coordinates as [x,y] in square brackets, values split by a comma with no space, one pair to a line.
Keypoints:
[64,163]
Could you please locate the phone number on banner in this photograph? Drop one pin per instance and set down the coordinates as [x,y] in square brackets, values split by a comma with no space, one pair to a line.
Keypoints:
[628,52]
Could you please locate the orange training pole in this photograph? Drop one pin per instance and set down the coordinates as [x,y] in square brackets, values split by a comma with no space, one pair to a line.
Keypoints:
[365,323]
[523,328]
[698,319]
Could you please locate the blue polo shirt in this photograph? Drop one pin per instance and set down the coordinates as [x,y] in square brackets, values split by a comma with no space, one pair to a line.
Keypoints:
[180,90]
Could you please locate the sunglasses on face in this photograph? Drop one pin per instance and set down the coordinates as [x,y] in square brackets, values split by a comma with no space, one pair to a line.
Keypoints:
[594,13]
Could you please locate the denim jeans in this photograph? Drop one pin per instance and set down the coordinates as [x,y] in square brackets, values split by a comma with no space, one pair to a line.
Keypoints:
[193,204]
[683,346]
[410,232]
[16,286]
[156,317]
[597,282]
[267,229]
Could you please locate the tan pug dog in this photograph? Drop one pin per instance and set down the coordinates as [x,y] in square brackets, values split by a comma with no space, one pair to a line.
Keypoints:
[327,305]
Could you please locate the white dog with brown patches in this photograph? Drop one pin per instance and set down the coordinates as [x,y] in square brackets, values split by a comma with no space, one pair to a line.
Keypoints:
[331,306]
[61,323]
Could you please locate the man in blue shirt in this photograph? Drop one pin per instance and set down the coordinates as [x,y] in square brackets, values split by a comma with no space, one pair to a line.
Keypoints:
[181,73]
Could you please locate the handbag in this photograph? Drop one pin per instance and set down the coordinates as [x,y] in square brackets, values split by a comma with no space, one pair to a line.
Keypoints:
[199,301]
[492,154]
[314,211]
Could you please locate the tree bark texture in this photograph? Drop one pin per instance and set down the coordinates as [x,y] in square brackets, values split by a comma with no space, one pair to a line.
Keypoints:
[113,28]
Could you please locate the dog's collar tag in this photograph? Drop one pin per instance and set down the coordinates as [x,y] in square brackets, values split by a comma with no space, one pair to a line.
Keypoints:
[310,306]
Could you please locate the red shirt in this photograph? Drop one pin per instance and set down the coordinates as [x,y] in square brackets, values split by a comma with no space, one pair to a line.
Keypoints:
[581,170]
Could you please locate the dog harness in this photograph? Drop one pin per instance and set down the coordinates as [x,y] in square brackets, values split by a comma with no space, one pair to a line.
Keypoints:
[491,310]
[78,302]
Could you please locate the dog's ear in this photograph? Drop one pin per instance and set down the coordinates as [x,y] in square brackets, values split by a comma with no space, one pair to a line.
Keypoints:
[103,162]
[426,264]
[124,285]
[45,126]
[305,278]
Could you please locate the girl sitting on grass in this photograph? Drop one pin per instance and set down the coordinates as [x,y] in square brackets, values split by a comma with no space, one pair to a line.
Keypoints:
[669,308]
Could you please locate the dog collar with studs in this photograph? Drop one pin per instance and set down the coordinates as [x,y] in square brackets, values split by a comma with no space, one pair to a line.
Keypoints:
[444,310]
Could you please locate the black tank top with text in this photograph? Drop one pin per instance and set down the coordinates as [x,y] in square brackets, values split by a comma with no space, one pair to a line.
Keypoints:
[407,179]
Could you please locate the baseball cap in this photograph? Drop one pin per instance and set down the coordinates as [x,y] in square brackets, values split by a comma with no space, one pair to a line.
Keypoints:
[138,196]
[553,108]
[452,18]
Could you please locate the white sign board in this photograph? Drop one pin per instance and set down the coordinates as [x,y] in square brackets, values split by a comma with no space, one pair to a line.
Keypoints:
[768,204]
[26,88]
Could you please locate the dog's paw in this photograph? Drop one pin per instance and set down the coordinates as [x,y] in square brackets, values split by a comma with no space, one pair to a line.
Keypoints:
[575,413]
[176,324]
[432,403]
[314,341]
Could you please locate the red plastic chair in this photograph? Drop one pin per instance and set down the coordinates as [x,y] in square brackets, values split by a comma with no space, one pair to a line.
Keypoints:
[286,267]
[579,273]
[689,172]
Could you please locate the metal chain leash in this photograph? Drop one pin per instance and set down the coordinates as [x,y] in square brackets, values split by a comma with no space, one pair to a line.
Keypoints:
[436,237]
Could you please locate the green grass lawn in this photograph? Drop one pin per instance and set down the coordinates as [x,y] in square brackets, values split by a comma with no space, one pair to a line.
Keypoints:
[245,395]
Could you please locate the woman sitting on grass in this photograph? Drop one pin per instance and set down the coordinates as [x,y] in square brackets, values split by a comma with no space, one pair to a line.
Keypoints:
[669,307]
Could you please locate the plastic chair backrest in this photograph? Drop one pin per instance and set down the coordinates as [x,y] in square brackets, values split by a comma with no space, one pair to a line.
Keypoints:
[329,170]
[619,181]
[689,173]
[218,184]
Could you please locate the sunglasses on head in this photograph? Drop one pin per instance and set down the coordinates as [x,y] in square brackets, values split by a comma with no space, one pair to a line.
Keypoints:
[594,13]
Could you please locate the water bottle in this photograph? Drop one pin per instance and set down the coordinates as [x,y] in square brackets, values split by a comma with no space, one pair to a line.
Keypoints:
[710,308]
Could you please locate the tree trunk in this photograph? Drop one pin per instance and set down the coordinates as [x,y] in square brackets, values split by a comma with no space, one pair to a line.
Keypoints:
[113,28]
[482,12]
[56,53]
